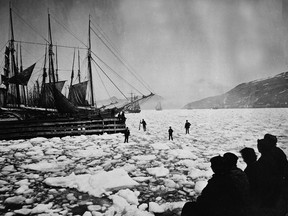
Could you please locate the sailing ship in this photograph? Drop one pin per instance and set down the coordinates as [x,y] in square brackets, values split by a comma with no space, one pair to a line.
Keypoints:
[43,110]
[158,106]
[134,106]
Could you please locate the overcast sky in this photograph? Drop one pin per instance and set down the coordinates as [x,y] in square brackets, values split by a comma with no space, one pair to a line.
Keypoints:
[184,49]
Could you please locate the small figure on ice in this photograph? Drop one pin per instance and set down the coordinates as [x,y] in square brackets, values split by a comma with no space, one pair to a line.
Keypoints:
[126,135]
[144,124]
[187,126]
[170,132]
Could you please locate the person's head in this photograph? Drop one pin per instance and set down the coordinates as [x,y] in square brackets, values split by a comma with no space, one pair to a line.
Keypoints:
[271,139]
[186,120]
[248,155]
[264,146]
[170,127]
[217,164]
[230,160]
[127,128]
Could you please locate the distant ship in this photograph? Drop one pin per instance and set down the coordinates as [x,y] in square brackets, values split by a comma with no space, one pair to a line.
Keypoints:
[134,106]
[158,106]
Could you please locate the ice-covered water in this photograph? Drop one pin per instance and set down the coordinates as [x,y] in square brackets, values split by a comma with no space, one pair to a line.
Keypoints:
[148,175]
[214,129]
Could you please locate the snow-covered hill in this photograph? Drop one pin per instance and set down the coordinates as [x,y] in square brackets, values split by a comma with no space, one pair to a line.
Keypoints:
[269,92]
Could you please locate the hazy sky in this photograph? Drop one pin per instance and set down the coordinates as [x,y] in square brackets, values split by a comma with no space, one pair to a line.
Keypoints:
[184,49]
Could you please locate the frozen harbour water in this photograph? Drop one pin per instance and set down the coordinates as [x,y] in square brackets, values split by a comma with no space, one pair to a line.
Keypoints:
[150,175]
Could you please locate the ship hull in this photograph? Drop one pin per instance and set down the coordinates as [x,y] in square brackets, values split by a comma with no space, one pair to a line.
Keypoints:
[25,129]
[133,111]
[23,124]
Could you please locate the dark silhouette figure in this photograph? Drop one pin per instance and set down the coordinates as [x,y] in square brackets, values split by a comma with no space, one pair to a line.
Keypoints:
[240,183]
[219,197]
[279,155]
[272,176]
[187,126]
[269,177]
[144,124]
[126,135]
[250,158]
[123,118]
[170,132]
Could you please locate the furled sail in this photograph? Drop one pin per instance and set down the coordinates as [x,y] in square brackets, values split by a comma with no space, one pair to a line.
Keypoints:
[47,95]
[59,85]
[47,99]
[11,98]
[23,77]
[7,62]
[52,97]
[4,78]
[77,94]
[62,104]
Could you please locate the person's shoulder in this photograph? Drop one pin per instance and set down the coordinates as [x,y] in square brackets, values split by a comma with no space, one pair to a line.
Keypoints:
[251,167]
[279,152]
[219,179]
[237,171]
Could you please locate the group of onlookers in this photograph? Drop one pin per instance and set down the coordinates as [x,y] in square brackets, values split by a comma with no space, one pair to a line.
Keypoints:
[143,123]
[186,126]
[260,190]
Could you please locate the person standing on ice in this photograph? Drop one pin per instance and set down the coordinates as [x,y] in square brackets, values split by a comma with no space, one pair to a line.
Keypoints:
[170,132]
[144,124]
[187,126]
[126,135]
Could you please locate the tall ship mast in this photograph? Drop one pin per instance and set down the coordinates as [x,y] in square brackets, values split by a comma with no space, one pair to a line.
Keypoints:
[48,112]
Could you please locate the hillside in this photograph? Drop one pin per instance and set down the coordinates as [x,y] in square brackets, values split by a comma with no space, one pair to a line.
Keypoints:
[269,92]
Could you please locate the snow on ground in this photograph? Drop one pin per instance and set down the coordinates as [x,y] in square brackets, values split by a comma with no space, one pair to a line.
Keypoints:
[101,175]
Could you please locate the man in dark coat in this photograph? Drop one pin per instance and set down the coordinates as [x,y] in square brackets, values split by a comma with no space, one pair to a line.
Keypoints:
[239,181]
[187,126]
[144,124]
[273,177]
[170,132]
[269,178]
[250,158]
[278,154]
[218,198]
[122,117]
[126,135]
